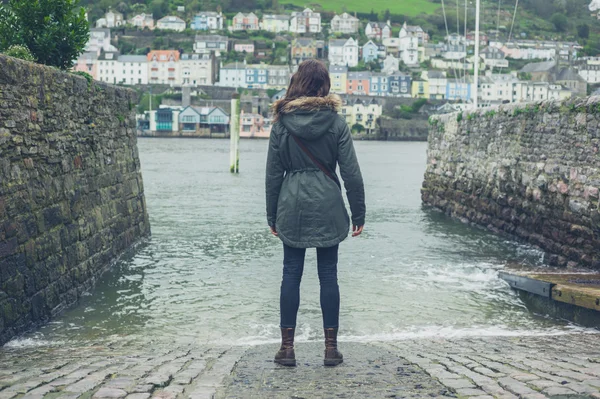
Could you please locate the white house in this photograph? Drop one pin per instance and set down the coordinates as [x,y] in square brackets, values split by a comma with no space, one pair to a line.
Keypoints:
[108,68]
[171,23]
[164,67]
[409,47]
[99,41]
[345,24]
[437,84]
[589,69]
[410,30]
[343,52]
[142,21]
[205,44]
[197,69]
[306,21]
[112,19]
[275,23]
[391,65]
[378,30]
[132,69]
[232,75]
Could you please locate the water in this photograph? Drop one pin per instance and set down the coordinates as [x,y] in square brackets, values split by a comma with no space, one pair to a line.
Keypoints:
[211,271]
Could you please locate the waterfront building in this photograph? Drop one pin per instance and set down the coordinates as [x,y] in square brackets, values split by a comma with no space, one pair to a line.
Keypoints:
[203,121]
[363,113]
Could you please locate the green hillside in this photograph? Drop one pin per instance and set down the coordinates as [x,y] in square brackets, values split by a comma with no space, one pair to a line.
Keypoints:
[402,7]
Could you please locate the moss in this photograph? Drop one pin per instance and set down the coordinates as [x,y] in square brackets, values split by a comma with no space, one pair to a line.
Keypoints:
[459,117]
[121,118]
[490,114]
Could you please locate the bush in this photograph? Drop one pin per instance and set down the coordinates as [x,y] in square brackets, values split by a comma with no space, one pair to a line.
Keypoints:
[21,52]
[358,128]
[55,31]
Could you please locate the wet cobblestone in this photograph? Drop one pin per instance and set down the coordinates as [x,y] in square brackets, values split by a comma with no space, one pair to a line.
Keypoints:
[566,366]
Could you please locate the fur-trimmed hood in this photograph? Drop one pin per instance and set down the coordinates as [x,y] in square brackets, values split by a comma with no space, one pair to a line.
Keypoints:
[308,117]
[331,102]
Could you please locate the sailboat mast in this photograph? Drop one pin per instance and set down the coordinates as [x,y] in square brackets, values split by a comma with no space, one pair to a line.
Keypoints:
[476,77]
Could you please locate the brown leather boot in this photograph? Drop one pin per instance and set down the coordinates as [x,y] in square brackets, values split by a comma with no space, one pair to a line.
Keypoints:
[333,357]
[286,356]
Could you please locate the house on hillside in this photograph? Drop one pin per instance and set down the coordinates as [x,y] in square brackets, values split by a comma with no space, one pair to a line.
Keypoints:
[414,31]
[304,48]
[399,85]
[208,20]
[378,30]
[343,52]
[345,24]
[243,21]
[112,19]
[306,21]
[99,41]
[370,52]
[206,44]
[232,75]
[391,65]
[275,23]
[171,22]
[494,57]
[143,21]
[437,84]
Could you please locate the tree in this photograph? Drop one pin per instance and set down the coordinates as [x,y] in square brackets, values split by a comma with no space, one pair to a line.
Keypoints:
[560,22]
[54,31]
[583,31]
[358,128]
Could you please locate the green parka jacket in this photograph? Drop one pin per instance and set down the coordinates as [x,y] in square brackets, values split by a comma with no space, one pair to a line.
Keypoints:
[306,206]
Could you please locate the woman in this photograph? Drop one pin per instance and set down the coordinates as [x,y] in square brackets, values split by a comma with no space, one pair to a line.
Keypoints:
[305,208]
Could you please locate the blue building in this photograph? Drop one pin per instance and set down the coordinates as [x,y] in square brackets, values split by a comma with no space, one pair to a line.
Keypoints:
[400,85]
[370,52]
[379,84]
[207,20]
[459,89]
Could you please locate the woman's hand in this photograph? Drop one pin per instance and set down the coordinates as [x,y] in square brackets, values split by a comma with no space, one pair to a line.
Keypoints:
[356,230]
[273,230]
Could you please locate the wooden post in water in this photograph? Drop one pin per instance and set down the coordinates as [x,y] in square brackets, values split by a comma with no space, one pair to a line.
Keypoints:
[234,134]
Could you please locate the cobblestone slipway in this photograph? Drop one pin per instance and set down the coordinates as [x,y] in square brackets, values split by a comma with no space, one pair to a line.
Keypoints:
[564,366]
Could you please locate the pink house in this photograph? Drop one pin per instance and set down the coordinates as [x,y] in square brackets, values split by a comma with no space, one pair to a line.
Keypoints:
[87,62]
[254,126]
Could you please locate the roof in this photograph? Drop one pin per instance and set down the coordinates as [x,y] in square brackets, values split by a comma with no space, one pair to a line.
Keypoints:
[359,75]
[276,17]
[338,69]
[106,31]
[167,53]
[569,74]
[133,58]
[109,55]
[380,24]
[371,43]
[211,38]
[436,75]
[171,18]
[413,28]
[303,41]
[337,42]
[345,16]
[545,66]
[208,14]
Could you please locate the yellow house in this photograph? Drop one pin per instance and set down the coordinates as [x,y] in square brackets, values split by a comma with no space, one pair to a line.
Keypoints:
[339,79]
[420,89]
[364,113]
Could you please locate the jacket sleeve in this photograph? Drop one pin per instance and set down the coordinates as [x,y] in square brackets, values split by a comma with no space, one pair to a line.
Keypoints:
[350,171]
[274,178]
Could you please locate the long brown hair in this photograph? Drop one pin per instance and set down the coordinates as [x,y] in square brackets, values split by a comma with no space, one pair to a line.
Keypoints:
[311,80]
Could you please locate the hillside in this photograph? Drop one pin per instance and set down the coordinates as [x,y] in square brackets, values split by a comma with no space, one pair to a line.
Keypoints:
[401,7]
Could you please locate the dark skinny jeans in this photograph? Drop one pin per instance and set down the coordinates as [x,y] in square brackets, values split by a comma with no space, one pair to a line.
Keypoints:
[293,266]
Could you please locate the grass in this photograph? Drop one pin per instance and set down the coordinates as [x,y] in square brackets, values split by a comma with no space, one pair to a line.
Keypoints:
[403,7]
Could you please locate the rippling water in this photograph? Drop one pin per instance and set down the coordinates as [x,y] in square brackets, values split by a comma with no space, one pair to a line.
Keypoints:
[211,271]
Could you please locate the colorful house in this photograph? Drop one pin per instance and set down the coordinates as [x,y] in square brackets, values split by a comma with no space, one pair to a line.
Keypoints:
[208,20]
[400,85]
[363,113]
[420,88]
[358,83]
[370,52]
[243,21]
[339,78]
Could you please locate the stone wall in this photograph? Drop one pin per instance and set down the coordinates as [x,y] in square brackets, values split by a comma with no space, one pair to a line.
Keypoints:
[71,192]
[532,171]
